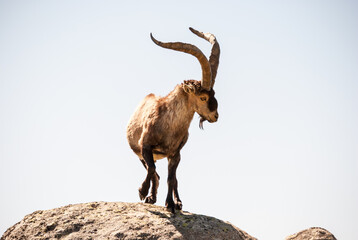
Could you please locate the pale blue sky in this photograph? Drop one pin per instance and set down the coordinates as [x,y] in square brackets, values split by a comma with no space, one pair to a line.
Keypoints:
[282,157]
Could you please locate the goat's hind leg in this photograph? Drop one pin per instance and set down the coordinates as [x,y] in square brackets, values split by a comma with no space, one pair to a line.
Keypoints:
[152,198]
[148,163]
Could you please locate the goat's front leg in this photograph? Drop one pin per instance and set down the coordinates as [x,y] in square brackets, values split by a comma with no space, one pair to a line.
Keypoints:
[177,201]
[148,158]
[173,184]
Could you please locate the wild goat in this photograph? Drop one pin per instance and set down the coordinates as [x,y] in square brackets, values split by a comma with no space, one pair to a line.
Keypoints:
[159,126]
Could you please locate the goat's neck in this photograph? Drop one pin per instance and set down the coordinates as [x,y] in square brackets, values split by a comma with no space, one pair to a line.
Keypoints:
[181,110]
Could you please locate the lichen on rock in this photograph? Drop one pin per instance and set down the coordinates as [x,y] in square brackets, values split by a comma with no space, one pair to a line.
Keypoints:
[313,233]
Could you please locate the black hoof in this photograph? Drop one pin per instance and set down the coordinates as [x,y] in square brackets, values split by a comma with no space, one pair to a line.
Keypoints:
[170,207]
[178,206]
[150,200]
[142,193]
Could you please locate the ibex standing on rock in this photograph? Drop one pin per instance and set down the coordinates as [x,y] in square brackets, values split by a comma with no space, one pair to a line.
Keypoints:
[159,126]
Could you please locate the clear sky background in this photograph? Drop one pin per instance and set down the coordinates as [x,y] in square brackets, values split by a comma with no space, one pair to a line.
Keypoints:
[282,157]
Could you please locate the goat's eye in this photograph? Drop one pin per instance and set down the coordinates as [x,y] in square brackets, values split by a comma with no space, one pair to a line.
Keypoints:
[203,99]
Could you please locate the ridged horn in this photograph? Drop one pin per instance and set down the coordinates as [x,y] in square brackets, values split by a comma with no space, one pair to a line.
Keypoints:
[193,50]
[215,52]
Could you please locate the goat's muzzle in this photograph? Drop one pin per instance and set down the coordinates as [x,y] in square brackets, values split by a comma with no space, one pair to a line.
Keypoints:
[203,119]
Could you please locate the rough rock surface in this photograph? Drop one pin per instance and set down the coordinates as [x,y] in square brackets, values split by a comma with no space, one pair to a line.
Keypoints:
[104,220]
[314,233]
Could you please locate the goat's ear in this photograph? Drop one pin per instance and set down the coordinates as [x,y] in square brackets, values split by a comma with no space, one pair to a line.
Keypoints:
[188,88]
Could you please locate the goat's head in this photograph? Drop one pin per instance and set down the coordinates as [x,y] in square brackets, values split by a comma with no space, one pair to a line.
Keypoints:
[201,92]
[203,101]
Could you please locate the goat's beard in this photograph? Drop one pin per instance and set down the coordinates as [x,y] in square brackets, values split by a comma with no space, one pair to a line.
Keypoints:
[202,120]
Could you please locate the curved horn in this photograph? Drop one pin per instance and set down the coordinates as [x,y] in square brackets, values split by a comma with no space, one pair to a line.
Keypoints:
[193,50]
[215,52]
